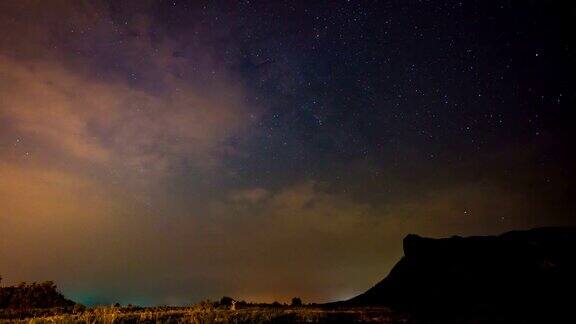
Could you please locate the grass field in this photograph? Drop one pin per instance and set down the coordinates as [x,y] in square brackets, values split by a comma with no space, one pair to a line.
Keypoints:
[198,314]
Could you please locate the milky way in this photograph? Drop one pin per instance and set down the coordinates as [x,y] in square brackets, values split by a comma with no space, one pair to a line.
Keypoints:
[164,152]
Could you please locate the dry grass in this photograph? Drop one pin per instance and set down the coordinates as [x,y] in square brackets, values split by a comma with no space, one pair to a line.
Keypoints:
[200,314]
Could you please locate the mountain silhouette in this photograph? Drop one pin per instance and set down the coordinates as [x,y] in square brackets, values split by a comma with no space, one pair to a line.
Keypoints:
[518,274]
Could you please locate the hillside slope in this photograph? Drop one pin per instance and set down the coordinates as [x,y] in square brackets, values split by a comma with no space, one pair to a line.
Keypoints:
[517,273]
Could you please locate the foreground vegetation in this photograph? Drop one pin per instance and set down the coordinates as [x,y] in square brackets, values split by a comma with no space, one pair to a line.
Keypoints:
[200,314]
[43,303]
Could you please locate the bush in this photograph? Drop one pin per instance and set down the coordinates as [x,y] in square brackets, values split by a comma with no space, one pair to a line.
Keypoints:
[34,295]
[78,308]
[226,301]
[276,304]
[296,301]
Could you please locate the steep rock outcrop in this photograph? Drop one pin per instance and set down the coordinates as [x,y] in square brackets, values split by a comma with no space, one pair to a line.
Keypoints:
[516,273]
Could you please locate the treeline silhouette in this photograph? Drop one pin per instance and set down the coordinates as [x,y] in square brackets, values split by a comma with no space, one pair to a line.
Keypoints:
[228,302]
[32,295]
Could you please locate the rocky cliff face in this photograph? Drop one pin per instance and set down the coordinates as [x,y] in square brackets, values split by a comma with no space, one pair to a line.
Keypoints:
[516,273]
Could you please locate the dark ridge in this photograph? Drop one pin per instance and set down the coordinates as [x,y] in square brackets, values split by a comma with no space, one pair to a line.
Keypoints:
[517,275]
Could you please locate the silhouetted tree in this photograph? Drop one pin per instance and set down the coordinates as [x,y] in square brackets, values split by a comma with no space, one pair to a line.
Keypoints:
[34,295]
[296,301]
[226,301]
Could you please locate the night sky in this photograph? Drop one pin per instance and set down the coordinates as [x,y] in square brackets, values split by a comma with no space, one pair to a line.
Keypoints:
[165,152]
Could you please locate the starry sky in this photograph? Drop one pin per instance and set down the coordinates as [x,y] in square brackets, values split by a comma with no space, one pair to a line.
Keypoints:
[165,152]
